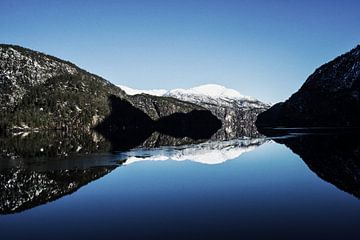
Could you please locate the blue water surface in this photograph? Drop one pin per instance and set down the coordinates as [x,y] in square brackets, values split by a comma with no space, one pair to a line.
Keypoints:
[268,193]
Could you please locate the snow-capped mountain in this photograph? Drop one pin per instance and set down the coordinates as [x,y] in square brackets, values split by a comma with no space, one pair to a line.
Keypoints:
[212,152]
[213,91]
[208,90]
[236,111]
[215,94]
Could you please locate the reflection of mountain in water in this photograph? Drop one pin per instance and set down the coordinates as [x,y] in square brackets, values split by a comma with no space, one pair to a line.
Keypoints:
[26,183]
[39,167]
[39,146]
[157,139]
[31,147]
[47,145]
[213,152]
[333,157]
[21,189]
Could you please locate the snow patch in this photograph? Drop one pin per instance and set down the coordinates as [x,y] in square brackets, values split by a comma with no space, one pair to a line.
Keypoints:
[133,91]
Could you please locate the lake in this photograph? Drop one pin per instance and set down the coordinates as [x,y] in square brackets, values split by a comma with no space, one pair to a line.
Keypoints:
[301,186]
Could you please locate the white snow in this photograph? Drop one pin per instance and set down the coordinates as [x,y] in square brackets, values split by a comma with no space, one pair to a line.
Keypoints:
[78,148]
[208,90]
[133,91]
[77,108]
[207,153]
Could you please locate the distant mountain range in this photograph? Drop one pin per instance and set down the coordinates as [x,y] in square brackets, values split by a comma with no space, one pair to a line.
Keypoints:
[209,90]
[236,111]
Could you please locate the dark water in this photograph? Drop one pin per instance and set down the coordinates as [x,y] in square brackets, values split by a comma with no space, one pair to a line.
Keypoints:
[293,187]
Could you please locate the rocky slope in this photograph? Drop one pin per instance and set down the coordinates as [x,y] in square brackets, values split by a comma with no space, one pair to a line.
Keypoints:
[237,112]
[41,91]
[330,97]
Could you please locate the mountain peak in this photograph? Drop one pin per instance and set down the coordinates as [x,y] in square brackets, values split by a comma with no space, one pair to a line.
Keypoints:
[210,90]
[206,90]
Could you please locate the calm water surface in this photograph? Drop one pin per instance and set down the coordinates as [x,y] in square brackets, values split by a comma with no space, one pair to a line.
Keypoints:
[257,190]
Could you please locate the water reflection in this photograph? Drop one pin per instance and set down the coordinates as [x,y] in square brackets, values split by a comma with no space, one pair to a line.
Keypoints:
[38,147]
[334,157]
[40,167]
[17,149]
[50,144]
[21,189]
[268,192]
[212,152]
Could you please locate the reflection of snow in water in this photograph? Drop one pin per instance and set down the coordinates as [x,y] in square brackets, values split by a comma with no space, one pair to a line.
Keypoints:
[214,152]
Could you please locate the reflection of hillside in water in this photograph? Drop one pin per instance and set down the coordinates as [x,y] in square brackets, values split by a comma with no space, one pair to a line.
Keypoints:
[50,144]
[22,189]
[211,152]
[40,167]
[47,145]
[333,157]
[37,168]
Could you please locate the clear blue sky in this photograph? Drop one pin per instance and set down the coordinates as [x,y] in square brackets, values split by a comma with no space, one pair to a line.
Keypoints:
[261,48]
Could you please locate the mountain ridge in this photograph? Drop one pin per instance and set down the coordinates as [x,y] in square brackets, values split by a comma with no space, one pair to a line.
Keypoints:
[237,112]
[39,91]
[210,90]
[330,97]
